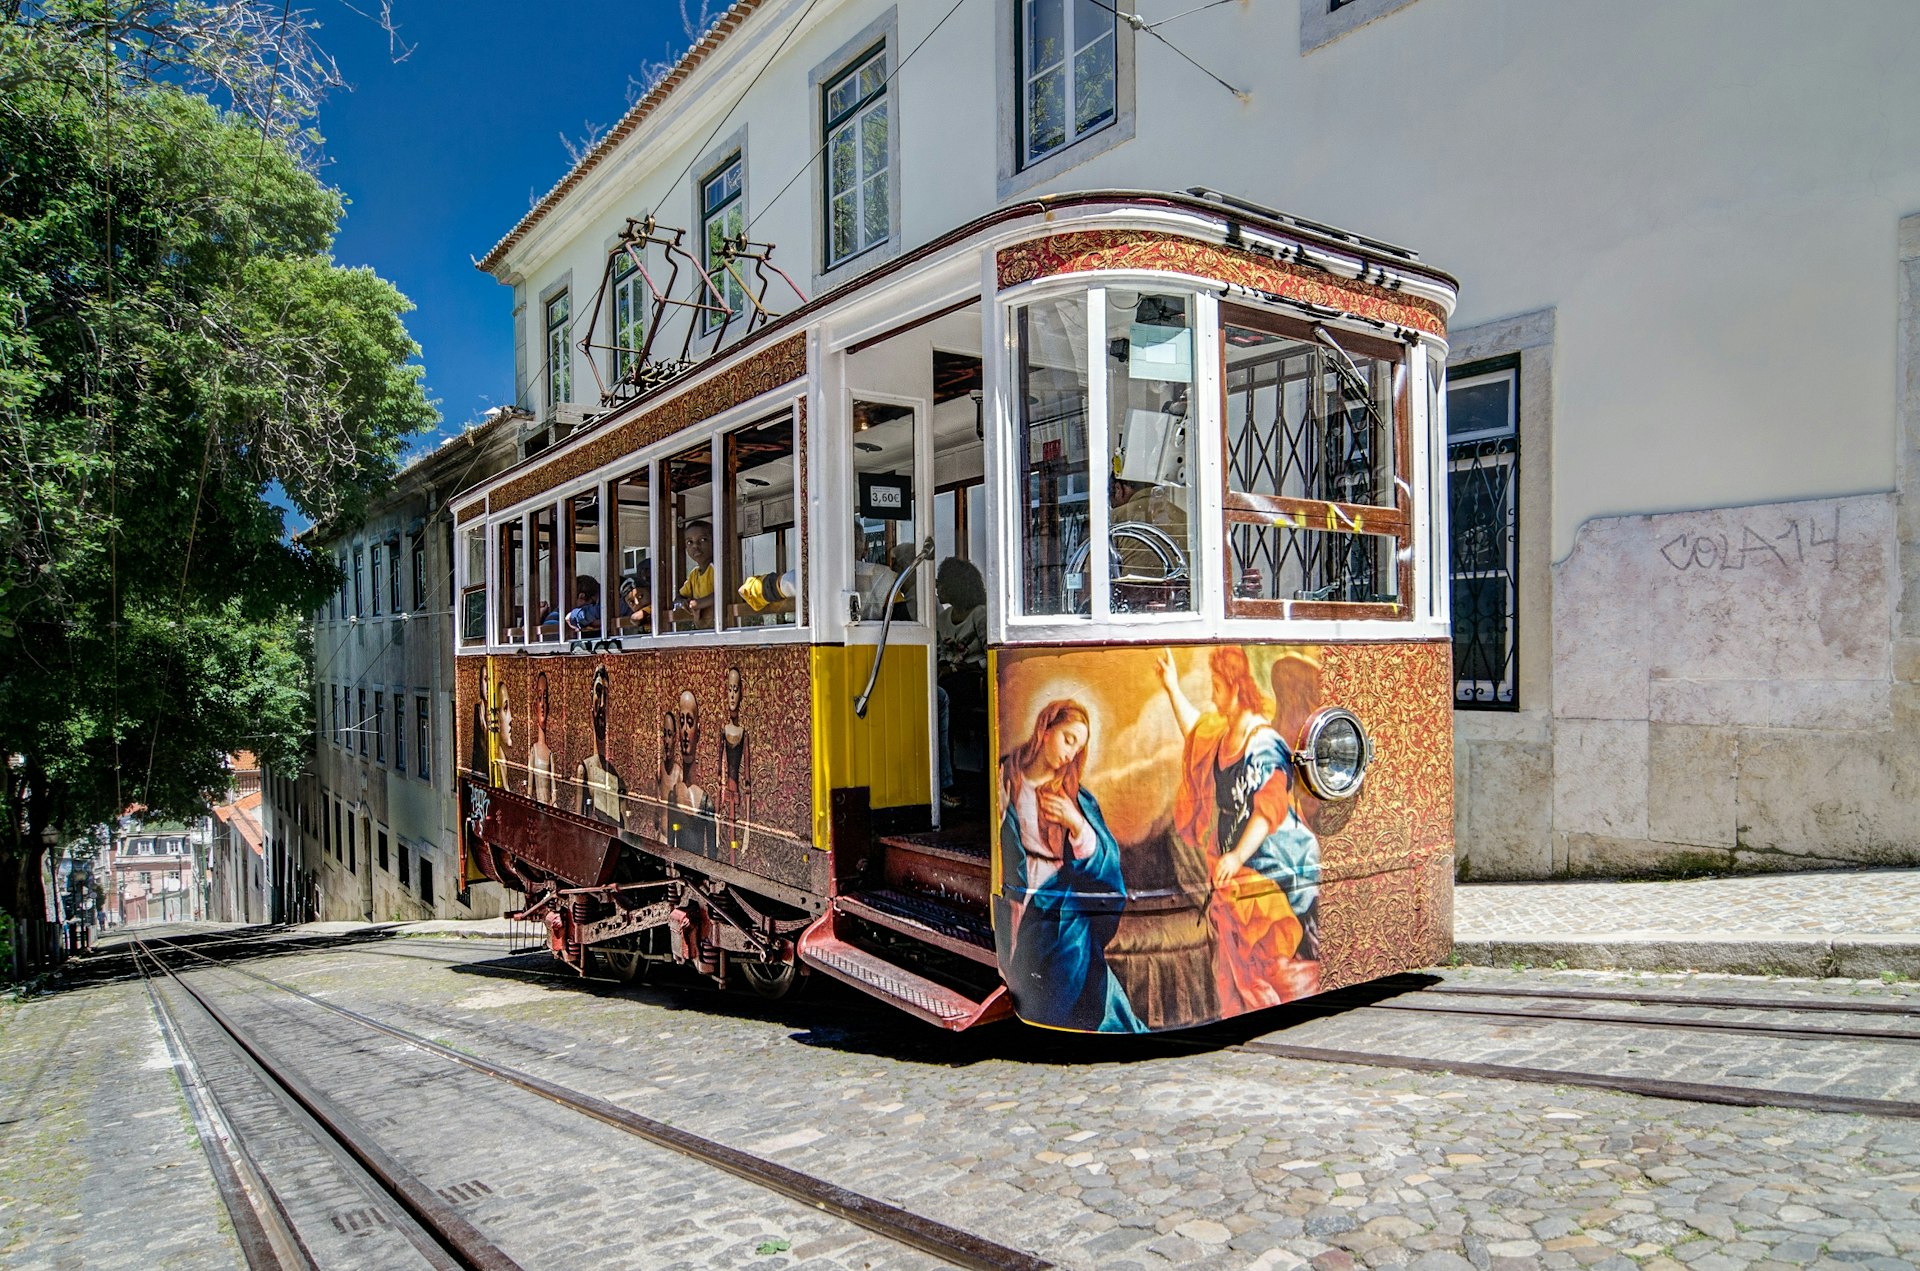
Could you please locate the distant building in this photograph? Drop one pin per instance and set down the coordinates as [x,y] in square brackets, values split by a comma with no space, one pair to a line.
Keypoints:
[369,830]
[153,872]
[239,884]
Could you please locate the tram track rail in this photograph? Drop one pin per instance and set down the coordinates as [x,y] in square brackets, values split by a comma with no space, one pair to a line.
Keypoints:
[902,1226]
[450,1240]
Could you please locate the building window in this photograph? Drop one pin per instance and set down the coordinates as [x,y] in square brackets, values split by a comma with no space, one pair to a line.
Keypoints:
[405,873]
[400,733]
[363,723]
[346,734]
[333,701]
[1068,73]
[359,604]
[393,574]
[723,217]
[628,317]
[373,567]
[379,727]
[426,880]
[855,120]
[380,841]
[420,570]
[1483,469]
[338,830]
[559,359]
[423,736]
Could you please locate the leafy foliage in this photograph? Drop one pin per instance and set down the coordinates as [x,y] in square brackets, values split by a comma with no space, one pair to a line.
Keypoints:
[175,341]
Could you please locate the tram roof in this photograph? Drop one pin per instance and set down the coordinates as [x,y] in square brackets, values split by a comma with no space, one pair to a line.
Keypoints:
[1376,259]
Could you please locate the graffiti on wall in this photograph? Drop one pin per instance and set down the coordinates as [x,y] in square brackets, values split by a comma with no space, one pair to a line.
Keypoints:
[1158,861]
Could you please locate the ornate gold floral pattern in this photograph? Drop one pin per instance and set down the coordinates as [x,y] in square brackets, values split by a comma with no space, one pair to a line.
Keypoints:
[1083,250]
[643,689]
[782,363]
[474,509]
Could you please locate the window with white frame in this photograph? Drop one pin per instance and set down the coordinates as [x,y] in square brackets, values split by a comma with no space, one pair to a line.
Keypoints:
[855,119]
[628,318]
[423,736]
[723,217]
[559,356]
[1068,73]
[1483,468]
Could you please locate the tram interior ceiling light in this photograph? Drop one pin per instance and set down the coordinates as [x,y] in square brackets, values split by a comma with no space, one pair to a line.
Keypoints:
[1334,754]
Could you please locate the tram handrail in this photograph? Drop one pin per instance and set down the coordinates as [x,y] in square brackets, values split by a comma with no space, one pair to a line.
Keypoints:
[893,598]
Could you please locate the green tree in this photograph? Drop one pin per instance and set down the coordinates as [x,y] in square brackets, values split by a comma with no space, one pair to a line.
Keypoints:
[175,342]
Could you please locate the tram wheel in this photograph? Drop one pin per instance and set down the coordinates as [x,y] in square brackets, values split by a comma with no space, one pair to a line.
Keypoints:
[627,965]
[771,980]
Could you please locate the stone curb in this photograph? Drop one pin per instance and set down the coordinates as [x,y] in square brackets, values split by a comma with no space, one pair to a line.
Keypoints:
[1851,957]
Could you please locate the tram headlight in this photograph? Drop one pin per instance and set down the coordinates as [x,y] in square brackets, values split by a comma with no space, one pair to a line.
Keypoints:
[1334,754]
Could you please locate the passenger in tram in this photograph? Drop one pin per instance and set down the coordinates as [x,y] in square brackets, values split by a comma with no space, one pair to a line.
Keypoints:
[874,583]
[584,618]
[1236,806]
[1061,872]
[634,609]
[696,591]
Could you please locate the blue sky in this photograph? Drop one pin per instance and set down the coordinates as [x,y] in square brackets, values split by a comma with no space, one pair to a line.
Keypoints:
[440,153]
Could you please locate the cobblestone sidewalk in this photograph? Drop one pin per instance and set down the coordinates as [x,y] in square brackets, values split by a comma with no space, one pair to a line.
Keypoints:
[1862,923]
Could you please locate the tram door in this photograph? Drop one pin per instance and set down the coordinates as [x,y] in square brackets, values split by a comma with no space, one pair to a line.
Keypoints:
[892,584]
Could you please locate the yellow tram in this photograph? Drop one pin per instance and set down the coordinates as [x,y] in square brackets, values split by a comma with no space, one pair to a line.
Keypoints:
[1051,622]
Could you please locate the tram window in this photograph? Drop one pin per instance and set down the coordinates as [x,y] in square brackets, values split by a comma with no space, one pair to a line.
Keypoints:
[763,565]
[473,598]
[543,551]
[580,617]
[688,541]
[1290,564]
[513,583]
[886,518]
[1149,360]
[1298,424]
[630,604]
[1317,509]
[1051,362]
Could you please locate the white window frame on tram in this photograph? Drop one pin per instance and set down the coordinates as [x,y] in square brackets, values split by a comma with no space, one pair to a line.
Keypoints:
[710,432]
[1424,610]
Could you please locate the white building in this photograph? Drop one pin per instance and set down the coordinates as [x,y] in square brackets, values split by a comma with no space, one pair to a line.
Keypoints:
[371,824]
[1686,361]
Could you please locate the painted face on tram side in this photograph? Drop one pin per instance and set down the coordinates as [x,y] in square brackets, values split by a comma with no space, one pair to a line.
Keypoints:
[700,544]
[600,710]
[669,740]
[689,727]
[735,691]
[506,719]
[1064,744]
[542,707]
[1222,693]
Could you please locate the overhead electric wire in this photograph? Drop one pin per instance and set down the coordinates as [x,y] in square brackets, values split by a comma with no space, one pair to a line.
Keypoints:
[822,148]
[1139,23]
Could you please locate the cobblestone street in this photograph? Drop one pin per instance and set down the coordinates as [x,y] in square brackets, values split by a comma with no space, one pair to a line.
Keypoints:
[1108,1153]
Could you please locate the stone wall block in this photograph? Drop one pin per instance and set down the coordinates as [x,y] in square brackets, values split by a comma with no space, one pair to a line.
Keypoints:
[1600,777]
[1510,788]
[1829,795]
[1610,856]
[1691,786]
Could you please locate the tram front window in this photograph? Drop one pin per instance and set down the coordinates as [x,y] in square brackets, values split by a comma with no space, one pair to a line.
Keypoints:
[1051,396]
[1149,358]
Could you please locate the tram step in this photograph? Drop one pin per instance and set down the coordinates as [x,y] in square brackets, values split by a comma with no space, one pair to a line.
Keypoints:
[825,951]
[944,866]
[955,930]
